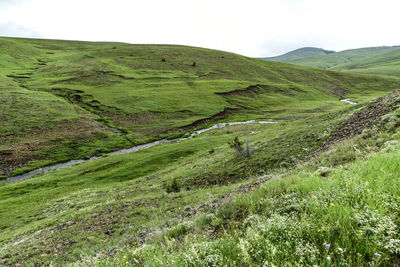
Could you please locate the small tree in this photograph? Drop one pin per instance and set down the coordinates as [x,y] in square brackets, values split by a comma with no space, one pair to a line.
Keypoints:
[241,151]
[248,150]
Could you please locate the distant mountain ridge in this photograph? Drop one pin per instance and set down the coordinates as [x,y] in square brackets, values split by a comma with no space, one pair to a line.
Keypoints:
[300,53]
[381,60]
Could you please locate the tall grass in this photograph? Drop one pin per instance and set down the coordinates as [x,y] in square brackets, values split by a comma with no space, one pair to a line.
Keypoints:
[349,218]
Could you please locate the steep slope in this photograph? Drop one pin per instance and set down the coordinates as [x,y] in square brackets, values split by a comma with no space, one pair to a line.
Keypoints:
[300,53]
[37,127]
[98,97]
[334,61]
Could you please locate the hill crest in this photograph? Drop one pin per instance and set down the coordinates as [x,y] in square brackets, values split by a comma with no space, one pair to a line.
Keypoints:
[300,53]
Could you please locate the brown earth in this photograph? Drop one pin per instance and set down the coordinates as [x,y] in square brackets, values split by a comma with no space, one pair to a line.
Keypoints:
[366,118]
[257,89]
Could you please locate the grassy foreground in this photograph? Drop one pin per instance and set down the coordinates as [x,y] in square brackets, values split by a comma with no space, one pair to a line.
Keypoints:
[349,218]
[346,215]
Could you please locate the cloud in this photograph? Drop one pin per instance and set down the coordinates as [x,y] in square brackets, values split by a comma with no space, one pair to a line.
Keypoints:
[252,27]
[13,30]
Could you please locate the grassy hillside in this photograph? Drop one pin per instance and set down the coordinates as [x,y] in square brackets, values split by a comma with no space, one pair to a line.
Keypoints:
[300,53]
[83,99]
[176,203]
[348,217]
[117,209]
[387,63]
[371,60]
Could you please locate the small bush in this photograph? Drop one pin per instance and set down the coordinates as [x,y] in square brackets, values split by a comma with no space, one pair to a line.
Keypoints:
[174,186]
[248,150]
[391,121]
[241,151]
[367,133]
[178,231]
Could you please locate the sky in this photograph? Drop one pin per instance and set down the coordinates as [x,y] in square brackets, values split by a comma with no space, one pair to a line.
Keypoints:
[255,28]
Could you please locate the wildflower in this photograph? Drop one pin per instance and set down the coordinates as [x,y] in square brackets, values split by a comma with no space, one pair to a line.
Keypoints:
[127,263]
[327,246]
[377,255]
[373,259]
[332,204]
[134,251]
[341,250]
[328,258]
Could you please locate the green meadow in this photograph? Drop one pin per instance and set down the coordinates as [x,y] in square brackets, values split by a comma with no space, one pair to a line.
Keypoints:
[310,189]
[90,93]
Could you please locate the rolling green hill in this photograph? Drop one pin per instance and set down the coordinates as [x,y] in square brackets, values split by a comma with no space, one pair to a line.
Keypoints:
[83,99]
[372,60]
[387,63]
[278,194]
[300,53]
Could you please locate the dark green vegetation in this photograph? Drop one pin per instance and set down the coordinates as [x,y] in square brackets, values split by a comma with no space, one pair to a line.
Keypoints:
[383,60]
[175,203]
[300,53]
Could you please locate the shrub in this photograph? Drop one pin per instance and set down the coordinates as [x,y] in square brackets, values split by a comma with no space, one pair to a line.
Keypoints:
[174,186]
[241,151]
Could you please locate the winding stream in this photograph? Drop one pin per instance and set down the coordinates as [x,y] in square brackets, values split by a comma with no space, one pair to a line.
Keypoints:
[57,166]
[347,100]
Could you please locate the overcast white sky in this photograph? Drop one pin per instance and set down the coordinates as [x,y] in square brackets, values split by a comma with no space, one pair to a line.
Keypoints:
[252,27]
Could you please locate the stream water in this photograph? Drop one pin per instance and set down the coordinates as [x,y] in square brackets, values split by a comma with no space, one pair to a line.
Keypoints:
[57,166]
[347,100]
